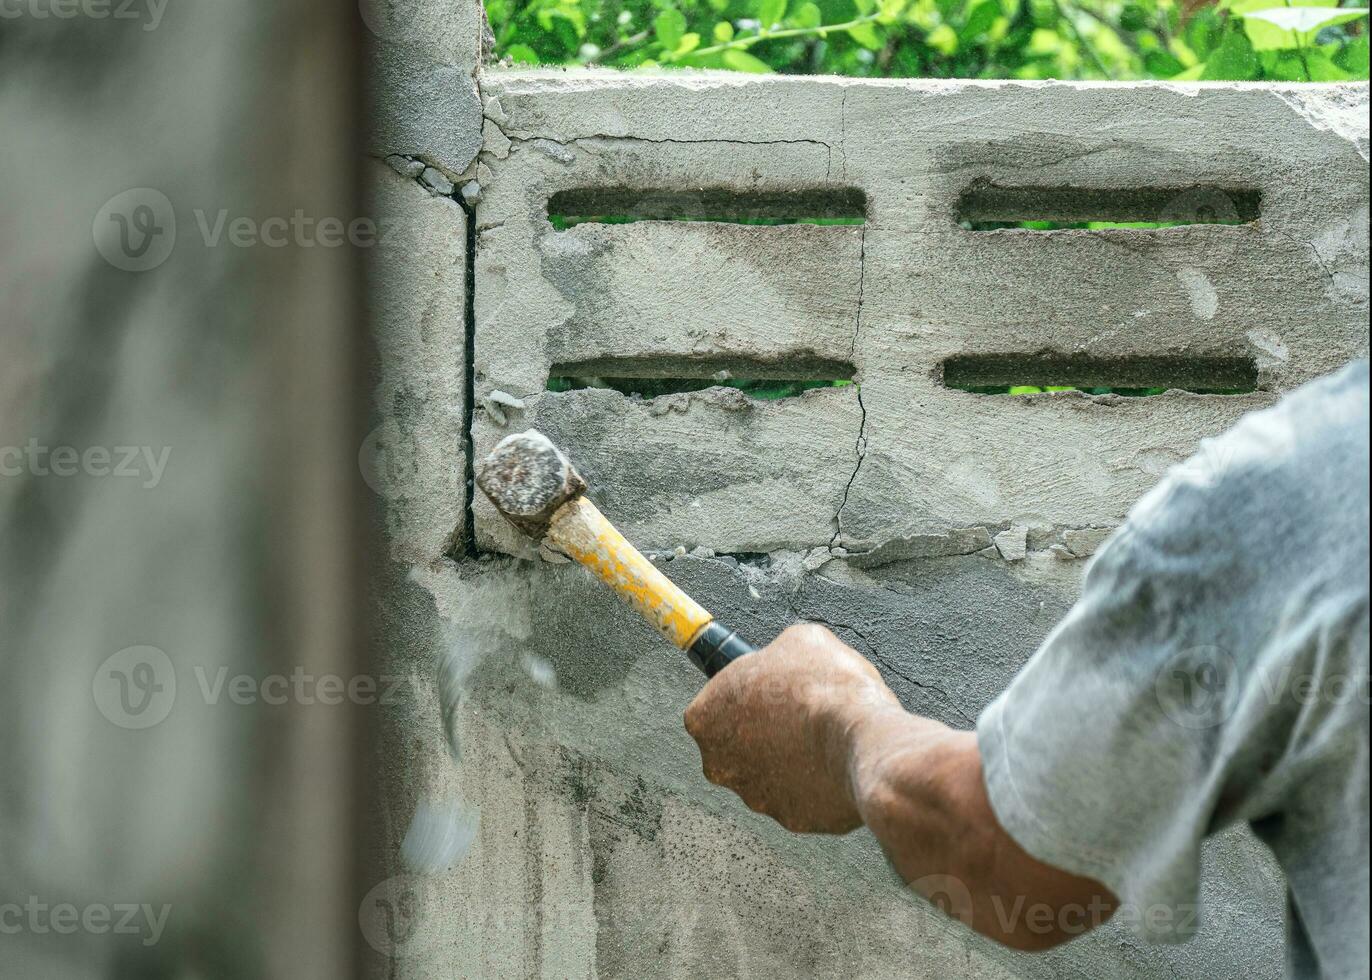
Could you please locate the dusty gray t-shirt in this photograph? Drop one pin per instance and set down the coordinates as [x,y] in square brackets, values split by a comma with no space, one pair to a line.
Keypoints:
[1214,671]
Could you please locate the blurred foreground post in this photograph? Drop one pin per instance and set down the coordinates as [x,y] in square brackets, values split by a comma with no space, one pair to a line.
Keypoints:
[179,549]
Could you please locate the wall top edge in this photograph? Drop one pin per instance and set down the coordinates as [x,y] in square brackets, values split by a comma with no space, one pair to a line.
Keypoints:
[496,78]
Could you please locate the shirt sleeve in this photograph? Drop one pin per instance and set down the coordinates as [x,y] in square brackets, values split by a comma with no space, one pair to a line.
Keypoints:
[1139,727]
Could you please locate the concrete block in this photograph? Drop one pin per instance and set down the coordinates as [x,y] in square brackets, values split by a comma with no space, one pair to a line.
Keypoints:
[414,458]
[444,32]
[423,109]
[912,288]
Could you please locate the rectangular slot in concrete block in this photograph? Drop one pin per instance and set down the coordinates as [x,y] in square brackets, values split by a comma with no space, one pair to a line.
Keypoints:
[721,205]
[988,207]
[654,377]
[995,373]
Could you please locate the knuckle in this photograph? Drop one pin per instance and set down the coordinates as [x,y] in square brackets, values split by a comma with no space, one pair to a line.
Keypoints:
[694,719]
[807,635]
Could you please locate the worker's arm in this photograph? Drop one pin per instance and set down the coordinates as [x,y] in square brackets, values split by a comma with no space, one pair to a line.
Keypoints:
[807,732]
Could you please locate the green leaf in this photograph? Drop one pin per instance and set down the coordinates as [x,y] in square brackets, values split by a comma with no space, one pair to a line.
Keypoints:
[979,21]
[942,39]
[770,13]
[1304,20]
[1286,66]
[1134,17]
[743,61]
[1233,60]
[866,35]
[1322,68]
[689,42]
[724,32]
[1044,41]
[522,54]
[808,16]
[890,11]
[865,7]
[1162,64]
[670,28]
[1203,32]
[1353,58]
[1265,35]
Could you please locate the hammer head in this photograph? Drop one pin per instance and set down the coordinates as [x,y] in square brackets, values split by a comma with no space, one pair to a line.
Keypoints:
[528,479]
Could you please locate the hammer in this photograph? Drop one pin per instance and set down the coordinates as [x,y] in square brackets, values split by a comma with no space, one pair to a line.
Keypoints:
[538,490]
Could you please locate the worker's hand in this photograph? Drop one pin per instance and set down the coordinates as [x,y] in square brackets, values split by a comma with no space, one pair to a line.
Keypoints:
[773,726]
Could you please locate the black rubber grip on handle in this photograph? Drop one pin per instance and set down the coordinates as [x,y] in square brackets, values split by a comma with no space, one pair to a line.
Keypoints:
[716,648]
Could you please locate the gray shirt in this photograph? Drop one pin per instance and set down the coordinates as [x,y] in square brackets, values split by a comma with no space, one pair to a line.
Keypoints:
[1214,671]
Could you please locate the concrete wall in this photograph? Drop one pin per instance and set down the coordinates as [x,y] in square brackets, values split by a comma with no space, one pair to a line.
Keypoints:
[544,814]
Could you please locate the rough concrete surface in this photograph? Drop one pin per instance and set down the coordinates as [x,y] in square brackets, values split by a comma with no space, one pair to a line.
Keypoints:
[899,294]
[422,97]
[415,456]
[937,531]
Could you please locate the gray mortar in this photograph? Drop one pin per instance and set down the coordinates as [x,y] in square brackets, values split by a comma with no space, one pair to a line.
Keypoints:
[601,851]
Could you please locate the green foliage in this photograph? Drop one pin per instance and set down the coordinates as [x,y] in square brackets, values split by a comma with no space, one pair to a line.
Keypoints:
[1307,40]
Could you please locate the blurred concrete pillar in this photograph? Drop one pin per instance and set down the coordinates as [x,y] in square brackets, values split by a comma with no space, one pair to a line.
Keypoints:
[180,552]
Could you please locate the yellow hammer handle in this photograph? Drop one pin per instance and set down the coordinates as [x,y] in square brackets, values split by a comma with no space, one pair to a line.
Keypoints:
[580,531]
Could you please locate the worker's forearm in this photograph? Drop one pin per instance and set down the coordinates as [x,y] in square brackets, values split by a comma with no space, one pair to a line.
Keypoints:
[807,732]
[918,786]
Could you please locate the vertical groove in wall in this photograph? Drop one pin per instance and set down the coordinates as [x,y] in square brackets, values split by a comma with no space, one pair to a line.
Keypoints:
[465,545]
